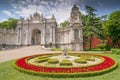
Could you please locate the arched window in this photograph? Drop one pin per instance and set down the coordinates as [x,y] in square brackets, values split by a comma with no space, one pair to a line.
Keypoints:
[76,33]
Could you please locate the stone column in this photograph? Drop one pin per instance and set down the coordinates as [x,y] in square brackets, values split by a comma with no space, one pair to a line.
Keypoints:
[30,37]
[43,36]
[81,39]
[17,43]
[27,34]
[26,41]
[72,35]
[18,36]
[53,35]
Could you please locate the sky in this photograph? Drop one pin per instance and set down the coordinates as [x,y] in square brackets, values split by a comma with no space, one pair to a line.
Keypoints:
[60,8]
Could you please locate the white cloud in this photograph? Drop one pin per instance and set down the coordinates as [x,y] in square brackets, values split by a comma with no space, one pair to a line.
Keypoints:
[1,20]
[60,8]
[8,13]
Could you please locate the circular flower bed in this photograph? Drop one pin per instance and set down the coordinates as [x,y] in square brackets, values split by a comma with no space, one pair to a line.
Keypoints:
[66,67]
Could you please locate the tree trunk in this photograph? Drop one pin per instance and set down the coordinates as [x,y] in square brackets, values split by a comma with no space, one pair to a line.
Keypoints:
[90,42]
[118,44]
[84,43]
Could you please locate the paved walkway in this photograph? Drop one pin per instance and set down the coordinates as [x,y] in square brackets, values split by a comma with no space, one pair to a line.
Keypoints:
[21,52]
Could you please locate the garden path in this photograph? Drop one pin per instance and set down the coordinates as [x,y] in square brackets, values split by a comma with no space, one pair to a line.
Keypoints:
[21,52]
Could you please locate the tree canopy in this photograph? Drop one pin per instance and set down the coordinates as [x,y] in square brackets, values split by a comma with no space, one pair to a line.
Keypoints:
[9,24]
[64,24]
[112,27]
[89,23]
[92,25]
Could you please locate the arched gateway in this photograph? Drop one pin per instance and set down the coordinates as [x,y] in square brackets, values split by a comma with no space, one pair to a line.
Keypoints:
[36,37]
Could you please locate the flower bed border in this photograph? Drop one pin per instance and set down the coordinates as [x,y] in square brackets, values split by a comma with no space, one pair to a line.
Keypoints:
[74,74]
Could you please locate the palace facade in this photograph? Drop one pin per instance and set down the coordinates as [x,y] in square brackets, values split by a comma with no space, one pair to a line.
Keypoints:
[38,30]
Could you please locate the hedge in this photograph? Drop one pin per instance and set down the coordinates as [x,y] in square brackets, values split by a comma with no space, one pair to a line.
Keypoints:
[116,51]
[53,61]
[80,61]
[65,63]
[41,60]
[66,75]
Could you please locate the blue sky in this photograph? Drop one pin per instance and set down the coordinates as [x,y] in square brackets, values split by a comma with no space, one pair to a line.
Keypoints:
[60,8]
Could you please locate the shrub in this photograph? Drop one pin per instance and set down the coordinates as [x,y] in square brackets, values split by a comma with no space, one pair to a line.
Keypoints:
[107,47]
[89,58]
[85,56]
[65,63]
[80,61]
[101,46]
[53,61]
[41,60]
[116,51]
[41,57]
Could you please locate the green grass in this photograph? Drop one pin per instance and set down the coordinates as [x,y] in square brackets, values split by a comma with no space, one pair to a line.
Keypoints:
[56,49]
[95,49]
[8,72]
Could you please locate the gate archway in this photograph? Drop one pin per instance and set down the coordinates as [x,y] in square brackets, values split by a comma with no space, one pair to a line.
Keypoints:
[36,37]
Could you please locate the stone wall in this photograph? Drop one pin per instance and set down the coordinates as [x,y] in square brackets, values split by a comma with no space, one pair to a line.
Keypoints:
[8,37]
[63,37]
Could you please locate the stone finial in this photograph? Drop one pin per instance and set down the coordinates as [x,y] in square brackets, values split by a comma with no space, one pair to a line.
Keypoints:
[21,18]
[75,8]
[30,16]
[53,18]
[42,15]
[36,14]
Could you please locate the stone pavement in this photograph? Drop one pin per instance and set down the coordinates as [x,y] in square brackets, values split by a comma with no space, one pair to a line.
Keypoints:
[21,52]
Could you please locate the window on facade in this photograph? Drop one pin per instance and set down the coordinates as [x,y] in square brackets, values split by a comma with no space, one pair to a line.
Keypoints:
[76,33]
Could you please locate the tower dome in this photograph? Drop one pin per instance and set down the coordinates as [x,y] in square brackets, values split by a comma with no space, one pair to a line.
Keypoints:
[36,14]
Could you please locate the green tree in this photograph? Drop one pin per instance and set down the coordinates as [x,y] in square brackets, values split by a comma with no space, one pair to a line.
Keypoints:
[100,32]
[89,21]
[64,24]
[12,22]
[92,26]
[112,27]
[9,24]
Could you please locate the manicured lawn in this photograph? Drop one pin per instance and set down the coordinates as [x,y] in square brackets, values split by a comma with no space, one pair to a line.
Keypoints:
[8,72]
